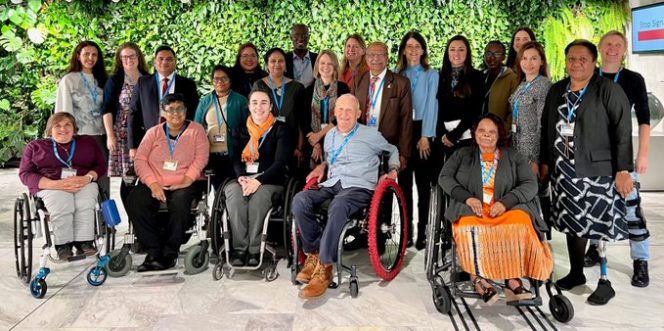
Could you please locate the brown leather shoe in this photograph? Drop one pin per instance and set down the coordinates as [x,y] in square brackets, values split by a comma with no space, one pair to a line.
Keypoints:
[304,276]
[320,280]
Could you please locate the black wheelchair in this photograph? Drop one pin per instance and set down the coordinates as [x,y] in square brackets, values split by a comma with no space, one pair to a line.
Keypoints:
[31,221]
[384,222]
[279,213]
[197,256]
[448,281]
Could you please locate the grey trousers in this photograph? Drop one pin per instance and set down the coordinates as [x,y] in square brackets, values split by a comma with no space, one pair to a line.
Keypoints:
[247,214]
[72,215]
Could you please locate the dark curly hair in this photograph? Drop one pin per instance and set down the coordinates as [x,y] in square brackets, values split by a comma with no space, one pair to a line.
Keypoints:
[502,131]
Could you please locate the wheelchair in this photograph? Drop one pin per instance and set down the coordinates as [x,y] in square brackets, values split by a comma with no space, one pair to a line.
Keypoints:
[448,281]
[384,222]
[31,221]
[278,213]
[197,257]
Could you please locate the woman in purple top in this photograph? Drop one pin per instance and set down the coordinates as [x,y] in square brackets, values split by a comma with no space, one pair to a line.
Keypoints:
[62,170]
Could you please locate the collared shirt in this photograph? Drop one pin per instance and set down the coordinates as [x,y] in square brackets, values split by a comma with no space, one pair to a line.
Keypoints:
[161,84]
[425,103]
[303,69]
[375,111]
[357,164]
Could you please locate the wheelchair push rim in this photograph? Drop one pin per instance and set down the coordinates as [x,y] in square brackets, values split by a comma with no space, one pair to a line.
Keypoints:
[23,238]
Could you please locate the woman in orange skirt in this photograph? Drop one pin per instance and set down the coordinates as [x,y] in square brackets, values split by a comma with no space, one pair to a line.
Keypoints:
[495,214]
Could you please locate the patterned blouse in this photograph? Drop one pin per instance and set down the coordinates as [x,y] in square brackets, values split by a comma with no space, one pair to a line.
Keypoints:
[530,98]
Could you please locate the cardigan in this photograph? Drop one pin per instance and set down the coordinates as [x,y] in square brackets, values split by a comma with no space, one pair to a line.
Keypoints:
[515,184]
[236,113]
[112,91]
[603,129]
[75,96]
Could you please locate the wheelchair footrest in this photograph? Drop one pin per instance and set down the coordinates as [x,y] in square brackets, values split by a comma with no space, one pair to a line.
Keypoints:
[537,301]
[76,258]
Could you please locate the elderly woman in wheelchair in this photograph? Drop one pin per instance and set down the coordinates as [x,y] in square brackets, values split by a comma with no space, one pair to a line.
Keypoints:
[494,214]
[62,170]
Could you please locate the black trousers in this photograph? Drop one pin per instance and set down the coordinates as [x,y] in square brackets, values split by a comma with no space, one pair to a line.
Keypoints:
[161,234]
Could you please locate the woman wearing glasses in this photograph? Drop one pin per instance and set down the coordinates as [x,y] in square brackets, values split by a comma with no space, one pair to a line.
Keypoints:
[499,82]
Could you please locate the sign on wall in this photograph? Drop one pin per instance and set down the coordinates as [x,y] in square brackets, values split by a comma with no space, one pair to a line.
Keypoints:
[648,28]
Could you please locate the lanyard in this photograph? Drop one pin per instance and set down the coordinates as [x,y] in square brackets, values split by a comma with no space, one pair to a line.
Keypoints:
[251,146]
[487,175]
[615,79]
[517,99]
[572,107]
[93,91]
[159,89]
[325,108]
[413,84]
[280,101]
[374,97]
[335,153]
[220,111]
[171,145]
[70,154]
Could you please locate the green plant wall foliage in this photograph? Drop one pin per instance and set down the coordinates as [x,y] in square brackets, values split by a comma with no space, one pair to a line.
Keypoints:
[37,37]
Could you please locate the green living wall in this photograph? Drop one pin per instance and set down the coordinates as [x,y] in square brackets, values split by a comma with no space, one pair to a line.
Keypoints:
[37,37]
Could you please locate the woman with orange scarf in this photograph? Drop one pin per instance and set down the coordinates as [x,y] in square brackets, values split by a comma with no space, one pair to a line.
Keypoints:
[266,146]
[496,221]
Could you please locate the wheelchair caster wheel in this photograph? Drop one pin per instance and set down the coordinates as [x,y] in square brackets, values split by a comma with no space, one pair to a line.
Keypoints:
[271,274]
[561,308]
[97,276]
[38,288]
[218,271]
[354,288]
[441,299]
[194,263]
[118,266]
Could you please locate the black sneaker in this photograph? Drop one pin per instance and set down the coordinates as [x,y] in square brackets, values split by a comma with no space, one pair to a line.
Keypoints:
[602,294]
[64,251]
[253,260]
[640,277]
[237,258]
[592,256]
[85,247]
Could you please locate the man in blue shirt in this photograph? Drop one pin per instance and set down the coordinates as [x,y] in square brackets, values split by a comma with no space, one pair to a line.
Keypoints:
[352,153]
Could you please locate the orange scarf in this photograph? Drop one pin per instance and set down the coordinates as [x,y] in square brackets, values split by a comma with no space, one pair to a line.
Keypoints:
[256,132]
[487,164]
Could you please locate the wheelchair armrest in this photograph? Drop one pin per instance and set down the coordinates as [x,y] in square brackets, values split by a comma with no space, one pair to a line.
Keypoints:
[384,163]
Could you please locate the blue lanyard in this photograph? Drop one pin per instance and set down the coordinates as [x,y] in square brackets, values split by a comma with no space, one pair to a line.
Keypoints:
[325,108]
[69,157]
[93,91]
[486,176]
[220,111]
[159,92]
[517,99]
[572,107]
[280,101]
[335,153]
[298,76]
[172,145]
[379,91]
[251,146]
[413,84]
[615,79]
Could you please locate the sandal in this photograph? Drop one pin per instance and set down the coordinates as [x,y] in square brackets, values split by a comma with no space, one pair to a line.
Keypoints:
[517,293]
[489,294]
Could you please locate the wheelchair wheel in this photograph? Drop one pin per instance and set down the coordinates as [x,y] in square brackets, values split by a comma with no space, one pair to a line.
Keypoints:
[218,207]
[97,276]
[388,229]
[192,265]
[38,288]
[23,238]
[561,308]
[433,230]
[291,189]
[118,266]
[441,299]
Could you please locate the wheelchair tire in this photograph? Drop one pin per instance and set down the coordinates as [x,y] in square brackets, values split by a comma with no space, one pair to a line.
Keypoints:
[118,267]
[441,299]
[354,288]
[433,230]
[38,288]
[191,264]
[292,188]
[97,276]
[561,308]
[385,192]
[218,207]
[23,238]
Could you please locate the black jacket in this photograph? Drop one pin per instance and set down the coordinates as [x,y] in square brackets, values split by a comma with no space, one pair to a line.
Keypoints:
[112,91]
[602,133]
[289,63]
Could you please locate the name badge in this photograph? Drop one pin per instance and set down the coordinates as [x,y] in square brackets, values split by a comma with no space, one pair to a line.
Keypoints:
[67,172]
[252,168]
[171,165]
[513,127]
[567,129]
[323,125]
[413,114]
[281,118]
[373,121]
[219,138]
[487,198]
[96,113]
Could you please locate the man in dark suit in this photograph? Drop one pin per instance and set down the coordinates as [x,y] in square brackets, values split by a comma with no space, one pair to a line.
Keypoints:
[145,110]
[300,62]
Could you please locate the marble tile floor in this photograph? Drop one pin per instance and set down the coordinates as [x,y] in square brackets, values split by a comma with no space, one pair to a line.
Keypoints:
[247,302]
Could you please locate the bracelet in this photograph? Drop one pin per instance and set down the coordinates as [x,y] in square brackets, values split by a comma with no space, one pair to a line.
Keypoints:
[92,178]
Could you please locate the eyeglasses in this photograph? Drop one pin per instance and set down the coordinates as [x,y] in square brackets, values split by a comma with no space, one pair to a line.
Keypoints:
[175,110]
[128,57]
[220,79]
[494,54]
